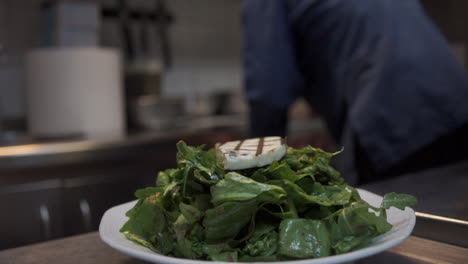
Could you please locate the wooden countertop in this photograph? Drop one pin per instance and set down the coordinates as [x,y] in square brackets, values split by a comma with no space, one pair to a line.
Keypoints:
[89,249]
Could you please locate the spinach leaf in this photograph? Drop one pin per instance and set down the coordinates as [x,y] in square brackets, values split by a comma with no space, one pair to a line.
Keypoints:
[202,201]
[146,221]
[216,248]
[355,225]
[225,256]
[183,247]
[191,213]
[303,238]
[263,226]
[235,187]
[322,195]
[296,207]
[224,221]
[164,242]
[399,201]
[281,171]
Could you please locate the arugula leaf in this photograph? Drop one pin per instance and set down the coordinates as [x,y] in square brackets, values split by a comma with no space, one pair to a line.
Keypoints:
[315,163]
[235,187]
[281,171]
[331,195]
[204,162]
[147,192]
[399,201]
[265,245]
[165,177]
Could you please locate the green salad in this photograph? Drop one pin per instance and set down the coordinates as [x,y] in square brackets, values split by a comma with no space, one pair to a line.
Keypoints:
[295,208]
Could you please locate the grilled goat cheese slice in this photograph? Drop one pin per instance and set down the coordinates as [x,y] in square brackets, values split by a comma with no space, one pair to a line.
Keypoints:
[250,153]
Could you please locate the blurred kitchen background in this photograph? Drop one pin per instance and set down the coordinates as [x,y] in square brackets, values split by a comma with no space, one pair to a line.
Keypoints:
[95,94]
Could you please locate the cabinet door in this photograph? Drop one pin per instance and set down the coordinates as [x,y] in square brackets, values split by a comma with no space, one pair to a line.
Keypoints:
[30,213]
[87,198]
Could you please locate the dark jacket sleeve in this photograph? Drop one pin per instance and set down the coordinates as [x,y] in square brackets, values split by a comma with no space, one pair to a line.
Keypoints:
[272,79]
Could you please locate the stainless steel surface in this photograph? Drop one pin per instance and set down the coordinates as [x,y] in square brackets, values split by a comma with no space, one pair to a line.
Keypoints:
[440,191]
[442,229]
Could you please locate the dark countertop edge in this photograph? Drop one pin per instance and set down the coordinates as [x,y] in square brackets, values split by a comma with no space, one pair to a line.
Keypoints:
[44,154]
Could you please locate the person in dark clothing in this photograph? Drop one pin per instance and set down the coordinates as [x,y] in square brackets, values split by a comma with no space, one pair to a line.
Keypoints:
[378,71]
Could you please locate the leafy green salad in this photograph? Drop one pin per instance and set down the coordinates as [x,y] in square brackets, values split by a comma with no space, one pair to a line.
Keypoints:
[295,208]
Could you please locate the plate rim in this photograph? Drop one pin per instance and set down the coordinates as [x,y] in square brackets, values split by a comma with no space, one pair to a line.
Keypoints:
[341,258]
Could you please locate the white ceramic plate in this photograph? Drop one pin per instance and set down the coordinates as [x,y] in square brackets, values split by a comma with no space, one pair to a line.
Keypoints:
[402,221]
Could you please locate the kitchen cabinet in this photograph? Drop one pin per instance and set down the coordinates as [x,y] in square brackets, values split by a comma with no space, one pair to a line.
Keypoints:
[86,199]
[30,213]
[45,210]
[54,190]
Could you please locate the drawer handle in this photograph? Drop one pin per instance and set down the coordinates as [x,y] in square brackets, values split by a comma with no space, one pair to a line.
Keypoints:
[45,222]
[86,215]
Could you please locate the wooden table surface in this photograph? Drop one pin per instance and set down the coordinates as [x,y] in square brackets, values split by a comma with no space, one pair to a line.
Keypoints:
[89,249]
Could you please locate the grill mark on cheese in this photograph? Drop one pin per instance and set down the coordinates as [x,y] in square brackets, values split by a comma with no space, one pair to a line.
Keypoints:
[240,152]
[260,146]
[239,145]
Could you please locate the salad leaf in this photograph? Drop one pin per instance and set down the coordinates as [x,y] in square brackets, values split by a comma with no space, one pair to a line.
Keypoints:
[203,161]
[225,256]
[294,208]
[191,213]
[147,192]
[226,220]
[281,171]
[399,201]
[304,238]
[146,221]
[322,195]
[235,187]
[264,246]
[355,225]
